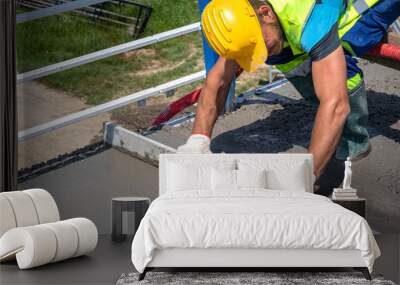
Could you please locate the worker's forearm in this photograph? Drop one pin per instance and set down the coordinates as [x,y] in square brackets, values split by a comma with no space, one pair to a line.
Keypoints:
[209,107]
[206,115]
[326,133]
[213,96]
[329,78]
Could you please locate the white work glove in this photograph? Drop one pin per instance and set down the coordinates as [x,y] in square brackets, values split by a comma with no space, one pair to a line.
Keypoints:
[196,144]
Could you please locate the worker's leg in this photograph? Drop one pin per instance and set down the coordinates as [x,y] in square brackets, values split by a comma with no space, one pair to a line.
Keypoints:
[364,35]
[355,139]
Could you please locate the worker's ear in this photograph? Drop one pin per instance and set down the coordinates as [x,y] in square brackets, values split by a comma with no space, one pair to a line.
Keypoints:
[267,14]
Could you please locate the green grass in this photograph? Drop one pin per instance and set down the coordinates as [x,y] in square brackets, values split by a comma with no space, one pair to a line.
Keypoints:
[116,76]
[58,38]
[169,14]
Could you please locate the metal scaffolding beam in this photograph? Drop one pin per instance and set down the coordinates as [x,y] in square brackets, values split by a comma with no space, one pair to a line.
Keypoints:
[106,107]
[56,9]
[91,57]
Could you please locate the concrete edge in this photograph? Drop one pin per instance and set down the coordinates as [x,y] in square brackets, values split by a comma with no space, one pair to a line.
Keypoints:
[134,144]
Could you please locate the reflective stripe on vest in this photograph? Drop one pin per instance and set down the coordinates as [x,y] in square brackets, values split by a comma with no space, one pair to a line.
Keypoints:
[354,82]
[361,6]
[353,13]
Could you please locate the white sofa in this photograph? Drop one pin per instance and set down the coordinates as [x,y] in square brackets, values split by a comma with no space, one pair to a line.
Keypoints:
[31,231]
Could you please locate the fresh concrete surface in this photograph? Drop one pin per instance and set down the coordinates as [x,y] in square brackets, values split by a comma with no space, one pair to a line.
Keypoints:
[263,125]
[85,188]
[38,104]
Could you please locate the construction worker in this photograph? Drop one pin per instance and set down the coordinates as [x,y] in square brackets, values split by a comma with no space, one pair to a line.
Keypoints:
[315,43]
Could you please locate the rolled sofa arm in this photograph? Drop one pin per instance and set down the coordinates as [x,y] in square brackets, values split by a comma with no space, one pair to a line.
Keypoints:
[40,244]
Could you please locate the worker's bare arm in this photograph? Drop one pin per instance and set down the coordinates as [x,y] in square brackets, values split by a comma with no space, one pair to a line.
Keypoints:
[329,77]
[213,95]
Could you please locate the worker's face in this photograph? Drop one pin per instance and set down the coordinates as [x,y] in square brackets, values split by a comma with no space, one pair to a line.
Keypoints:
[271,29]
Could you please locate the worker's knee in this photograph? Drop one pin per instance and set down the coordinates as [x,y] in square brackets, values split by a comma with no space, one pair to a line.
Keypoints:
[342,109]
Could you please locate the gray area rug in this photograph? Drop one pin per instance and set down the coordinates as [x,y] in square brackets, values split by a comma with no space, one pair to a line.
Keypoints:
[232,278]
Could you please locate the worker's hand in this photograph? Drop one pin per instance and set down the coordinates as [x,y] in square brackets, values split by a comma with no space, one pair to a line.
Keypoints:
[196,144]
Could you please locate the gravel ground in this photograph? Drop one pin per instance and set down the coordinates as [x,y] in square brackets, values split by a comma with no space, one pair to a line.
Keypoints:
[263,125]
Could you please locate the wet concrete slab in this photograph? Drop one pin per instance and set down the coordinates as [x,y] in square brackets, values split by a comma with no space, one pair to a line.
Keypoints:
[39,104]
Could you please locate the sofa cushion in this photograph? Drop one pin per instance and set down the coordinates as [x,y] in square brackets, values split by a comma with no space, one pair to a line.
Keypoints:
[46,207]
[7,220]
[67,240]
[87,233]
[23,208]
[27,208]
[41,244]
[32,246]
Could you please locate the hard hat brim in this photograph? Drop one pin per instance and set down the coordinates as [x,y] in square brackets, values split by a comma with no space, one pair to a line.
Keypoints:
[258,57]
[233,31]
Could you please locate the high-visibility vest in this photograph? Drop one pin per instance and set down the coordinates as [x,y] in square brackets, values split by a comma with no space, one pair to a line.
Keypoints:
[293,15]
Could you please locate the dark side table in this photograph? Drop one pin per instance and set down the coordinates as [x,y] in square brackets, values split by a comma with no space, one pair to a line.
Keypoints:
[358,205]
[137,205]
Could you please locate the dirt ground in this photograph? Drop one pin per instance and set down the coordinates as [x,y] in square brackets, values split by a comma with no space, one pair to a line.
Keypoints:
[284,123]
[139,119]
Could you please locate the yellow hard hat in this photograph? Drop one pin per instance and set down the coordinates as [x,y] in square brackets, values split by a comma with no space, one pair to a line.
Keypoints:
[232,29]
